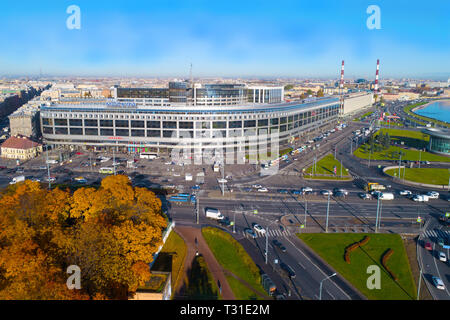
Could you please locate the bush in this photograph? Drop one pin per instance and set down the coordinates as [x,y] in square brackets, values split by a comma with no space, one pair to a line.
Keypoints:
[384,259]
[353,247]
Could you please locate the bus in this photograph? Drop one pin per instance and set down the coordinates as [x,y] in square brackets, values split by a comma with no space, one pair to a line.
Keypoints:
[106,170]
[149,156]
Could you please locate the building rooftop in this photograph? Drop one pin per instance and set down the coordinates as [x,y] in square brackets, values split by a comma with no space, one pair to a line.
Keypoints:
[19,142]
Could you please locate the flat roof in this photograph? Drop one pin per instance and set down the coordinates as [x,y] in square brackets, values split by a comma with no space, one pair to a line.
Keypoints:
[437,132]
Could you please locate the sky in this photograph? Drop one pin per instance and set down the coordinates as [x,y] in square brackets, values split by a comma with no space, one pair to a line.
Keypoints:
[254,38]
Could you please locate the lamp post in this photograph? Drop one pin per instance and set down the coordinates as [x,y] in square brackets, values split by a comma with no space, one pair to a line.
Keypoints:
[328,210]
[378,209]
[418,288]
[321,282]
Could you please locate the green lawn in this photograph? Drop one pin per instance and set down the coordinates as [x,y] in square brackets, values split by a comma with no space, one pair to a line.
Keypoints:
[331,247]
[423,175]
[324,168]
[172,255]
[232,256]
[364,115]
[414,139]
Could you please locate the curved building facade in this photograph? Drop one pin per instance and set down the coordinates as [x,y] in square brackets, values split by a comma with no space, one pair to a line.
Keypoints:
[439,140]
[153,128]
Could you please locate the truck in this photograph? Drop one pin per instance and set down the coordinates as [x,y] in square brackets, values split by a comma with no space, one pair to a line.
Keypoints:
[386,196]
[17,179]
[371,186]
[213,213]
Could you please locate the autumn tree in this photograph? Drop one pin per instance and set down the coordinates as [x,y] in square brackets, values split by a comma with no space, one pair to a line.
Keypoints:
[111,233]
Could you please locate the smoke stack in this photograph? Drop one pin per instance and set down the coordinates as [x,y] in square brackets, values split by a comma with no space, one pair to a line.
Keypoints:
[376,76]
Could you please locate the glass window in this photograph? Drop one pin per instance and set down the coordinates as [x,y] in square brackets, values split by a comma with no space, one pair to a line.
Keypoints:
[60,122]
[263,123]
[283,120]
[107,132]
[76,122]
[169,133]
[90,123]
[76,131]
[153,133]
[186,125]
[91,131]
[48,130]
[138,133]
[122,124]
[274,121]
[219,125]
[122,132]
[47,121]
[61,131]
[250,123]
[235,124]
[106,123]
[137,124]
[153,124]
[169,125]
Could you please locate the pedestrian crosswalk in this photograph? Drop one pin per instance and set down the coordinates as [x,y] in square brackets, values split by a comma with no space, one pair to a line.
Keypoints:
[270,234]
[436,233]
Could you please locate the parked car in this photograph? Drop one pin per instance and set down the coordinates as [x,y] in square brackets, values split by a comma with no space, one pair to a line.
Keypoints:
[438,283]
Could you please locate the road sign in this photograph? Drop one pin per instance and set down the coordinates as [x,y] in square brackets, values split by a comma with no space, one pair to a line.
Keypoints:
[447,214]
[419,219]
[302,226]
[232,223]
[255,211]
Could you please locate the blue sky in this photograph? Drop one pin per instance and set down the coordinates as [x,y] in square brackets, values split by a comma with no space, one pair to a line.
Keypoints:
[226,38]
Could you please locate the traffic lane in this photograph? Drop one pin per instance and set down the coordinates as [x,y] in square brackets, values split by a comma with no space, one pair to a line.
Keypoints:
[442,268]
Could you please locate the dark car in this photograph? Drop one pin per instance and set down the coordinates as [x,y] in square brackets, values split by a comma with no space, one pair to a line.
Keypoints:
[279,245]
[296,192]
[225,222]
[287,270]
[282,191]
[339,194]
[250,232]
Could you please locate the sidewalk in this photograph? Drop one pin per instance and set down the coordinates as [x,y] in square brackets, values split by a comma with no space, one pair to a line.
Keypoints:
[189,234]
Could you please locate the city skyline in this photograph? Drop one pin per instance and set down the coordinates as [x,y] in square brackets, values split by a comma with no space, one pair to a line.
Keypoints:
[251,39]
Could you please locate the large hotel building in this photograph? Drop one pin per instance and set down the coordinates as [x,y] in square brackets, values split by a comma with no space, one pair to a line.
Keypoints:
[231,116]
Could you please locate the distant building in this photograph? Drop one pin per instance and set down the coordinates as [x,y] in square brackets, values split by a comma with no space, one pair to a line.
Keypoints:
[25,122]
[439,140]
[20,147]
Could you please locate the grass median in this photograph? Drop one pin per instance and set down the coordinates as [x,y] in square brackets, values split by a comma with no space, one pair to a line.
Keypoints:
[435,176]
[325,169]
[331,247]
[232,257]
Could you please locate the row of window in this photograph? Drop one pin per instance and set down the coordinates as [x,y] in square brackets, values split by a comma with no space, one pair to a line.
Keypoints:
[181,124]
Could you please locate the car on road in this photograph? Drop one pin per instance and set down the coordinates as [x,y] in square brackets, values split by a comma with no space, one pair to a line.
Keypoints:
[306,190]
[263,190]
[433,195]
[438,283]
[287,270]
[257,186]
[339,194]
[282,191]
[279,245]
[250,232]
[247,189]
[50,179]
[405,193]
[364,196]
[442,256]
[259,229]
[296,191]
[196,187]
[440,242]
[325,192]
[428,246]
[420,198]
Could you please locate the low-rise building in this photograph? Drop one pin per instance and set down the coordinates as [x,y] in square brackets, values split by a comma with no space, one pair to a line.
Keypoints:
[20,147]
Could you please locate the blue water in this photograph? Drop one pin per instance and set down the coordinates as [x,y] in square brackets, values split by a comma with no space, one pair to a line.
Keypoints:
[439,110]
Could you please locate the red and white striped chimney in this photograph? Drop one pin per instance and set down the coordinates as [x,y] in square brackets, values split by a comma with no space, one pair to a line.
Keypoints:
[342,76]
[376,75]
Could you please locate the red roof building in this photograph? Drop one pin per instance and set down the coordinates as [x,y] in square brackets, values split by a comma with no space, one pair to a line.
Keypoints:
[20,147]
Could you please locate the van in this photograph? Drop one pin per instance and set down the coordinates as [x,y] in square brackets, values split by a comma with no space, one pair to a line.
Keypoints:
[386,196]
[51,161]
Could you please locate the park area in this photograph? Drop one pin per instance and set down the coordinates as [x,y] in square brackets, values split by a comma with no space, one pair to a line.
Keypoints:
[396,281]
[413,142]
[434,176]
[325,169]
[241,272]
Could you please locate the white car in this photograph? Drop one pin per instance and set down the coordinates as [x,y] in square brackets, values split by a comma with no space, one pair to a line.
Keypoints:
[257,186]
[307,189]
[263,190]
[259,229]
[442,256]
[405,193]
[420,198]
[222,180]
[433,195]
[438,283]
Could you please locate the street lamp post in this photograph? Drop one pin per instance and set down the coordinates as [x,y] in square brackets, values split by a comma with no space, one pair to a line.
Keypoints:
[378,209]
[328,211]
[418,288]
[321,282]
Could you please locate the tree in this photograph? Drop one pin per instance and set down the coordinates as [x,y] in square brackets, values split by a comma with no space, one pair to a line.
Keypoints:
[319,93]
[111,233]
[288,87]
